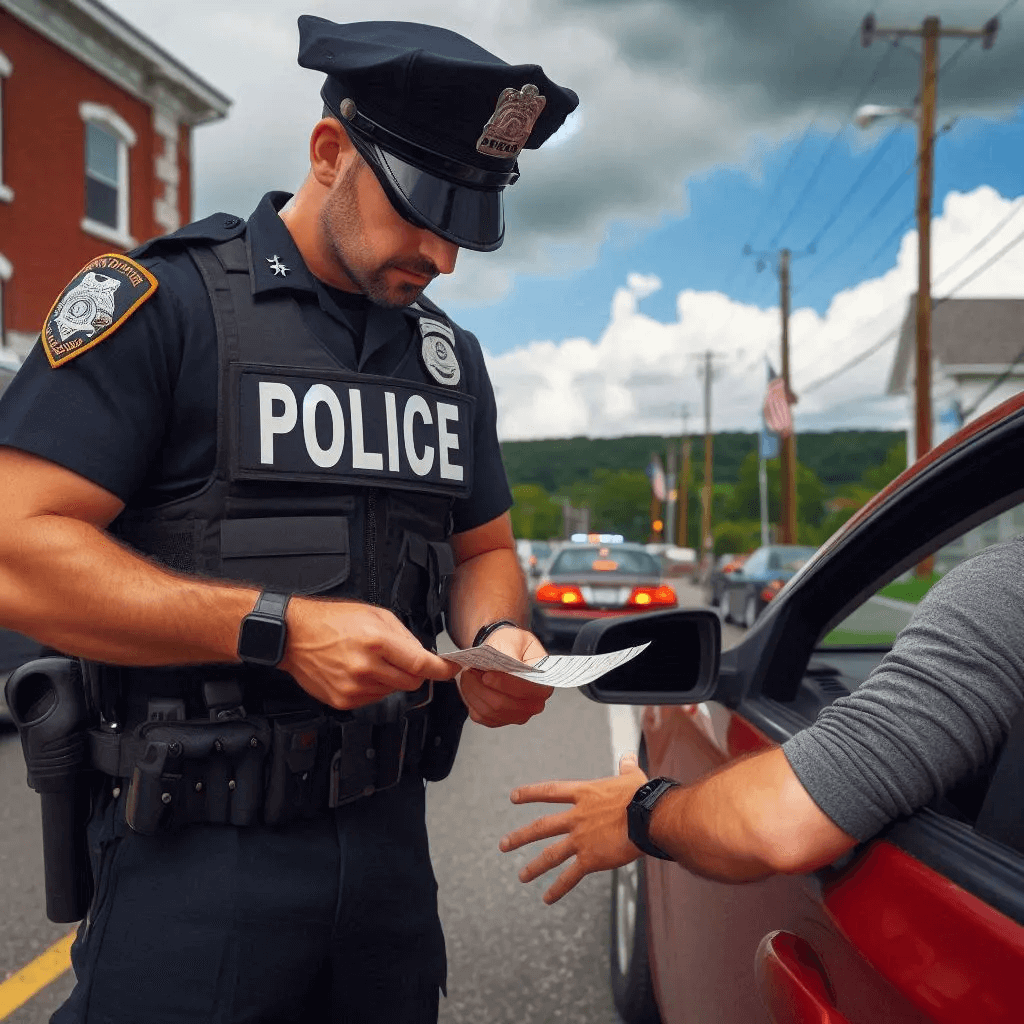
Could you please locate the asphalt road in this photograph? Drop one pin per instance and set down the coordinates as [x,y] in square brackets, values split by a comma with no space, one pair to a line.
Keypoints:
[511,958]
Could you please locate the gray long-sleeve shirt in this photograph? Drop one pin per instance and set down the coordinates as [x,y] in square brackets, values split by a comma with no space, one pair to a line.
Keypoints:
[938,705]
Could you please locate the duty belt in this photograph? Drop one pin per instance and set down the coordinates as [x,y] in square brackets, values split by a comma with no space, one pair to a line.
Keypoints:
[246,770]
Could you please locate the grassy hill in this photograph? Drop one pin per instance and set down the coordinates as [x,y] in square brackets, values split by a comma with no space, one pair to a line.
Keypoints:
[837,458]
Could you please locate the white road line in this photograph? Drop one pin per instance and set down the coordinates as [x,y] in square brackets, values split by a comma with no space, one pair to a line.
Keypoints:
[625,732]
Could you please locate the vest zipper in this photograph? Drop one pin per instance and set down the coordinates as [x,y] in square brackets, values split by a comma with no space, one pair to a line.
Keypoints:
[371,547]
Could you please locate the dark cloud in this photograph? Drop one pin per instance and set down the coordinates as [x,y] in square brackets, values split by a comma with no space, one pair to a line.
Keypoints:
[788,52]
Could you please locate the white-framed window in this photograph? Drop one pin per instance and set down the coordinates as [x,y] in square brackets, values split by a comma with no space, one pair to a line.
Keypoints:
[6,67]
[6,270]
[108,137]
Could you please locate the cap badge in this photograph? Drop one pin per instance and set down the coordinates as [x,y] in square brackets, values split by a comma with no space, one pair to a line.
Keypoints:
[510,125]
[277,266]
[438,352]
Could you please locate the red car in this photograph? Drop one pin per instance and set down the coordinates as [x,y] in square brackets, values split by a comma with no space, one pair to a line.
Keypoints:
[925,922]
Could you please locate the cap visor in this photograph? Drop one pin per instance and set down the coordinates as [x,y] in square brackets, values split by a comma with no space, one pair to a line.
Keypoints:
[472,218]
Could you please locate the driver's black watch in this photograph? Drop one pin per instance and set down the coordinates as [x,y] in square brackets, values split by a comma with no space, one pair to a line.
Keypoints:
[263,633]
[638,815]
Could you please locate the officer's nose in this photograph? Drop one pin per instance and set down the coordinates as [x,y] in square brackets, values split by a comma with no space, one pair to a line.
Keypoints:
[439,251]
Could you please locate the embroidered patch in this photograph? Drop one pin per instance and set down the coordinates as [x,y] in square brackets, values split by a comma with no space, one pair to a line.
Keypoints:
[104,293]
[438,352]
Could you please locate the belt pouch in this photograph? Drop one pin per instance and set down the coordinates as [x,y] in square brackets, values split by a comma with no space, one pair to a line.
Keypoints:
[197,772]
[297,782]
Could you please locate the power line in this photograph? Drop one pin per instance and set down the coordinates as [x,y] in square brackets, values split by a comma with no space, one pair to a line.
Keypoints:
[879,67]
[1018,206]
[890,192]
[769,205]
[862,177]
[896,331]
[890,238]
[977,273]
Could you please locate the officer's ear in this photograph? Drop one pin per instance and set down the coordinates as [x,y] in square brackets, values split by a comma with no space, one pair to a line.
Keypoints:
[330,151]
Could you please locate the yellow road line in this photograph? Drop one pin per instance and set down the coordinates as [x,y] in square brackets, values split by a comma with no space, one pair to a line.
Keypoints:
[19,988]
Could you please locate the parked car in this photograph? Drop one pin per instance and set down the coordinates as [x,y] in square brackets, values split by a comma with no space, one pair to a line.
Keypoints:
[533,554]
[922,923]
[589,581]
[716,579]
[675,561]
[750,586]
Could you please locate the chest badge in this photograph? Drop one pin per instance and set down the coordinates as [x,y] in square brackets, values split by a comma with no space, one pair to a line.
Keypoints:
[104,293]
[438,351]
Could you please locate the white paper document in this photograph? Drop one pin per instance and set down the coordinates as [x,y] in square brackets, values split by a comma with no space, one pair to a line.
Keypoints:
[561,670]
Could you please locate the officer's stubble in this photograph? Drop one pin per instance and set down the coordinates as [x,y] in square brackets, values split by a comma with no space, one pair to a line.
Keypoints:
[343,231]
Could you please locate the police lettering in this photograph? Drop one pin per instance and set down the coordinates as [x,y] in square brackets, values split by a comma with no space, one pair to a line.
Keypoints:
[411,420]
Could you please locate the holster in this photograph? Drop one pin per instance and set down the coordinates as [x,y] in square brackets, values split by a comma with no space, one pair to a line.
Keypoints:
[48,704]
[446,715]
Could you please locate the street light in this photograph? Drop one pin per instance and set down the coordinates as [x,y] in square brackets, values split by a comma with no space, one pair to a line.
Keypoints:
[867,115]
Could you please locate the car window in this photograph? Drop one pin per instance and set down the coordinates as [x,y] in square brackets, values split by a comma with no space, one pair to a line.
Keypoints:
[881,617]
[605,560]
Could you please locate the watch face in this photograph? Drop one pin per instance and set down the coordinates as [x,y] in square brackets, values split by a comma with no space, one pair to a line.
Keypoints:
[261,640]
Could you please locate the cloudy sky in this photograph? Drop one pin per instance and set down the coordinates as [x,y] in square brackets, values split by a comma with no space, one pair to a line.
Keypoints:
[704,126]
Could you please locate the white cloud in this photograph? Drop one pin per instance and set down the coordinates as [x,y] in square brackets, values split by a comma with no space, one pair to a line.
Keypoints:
[640,373]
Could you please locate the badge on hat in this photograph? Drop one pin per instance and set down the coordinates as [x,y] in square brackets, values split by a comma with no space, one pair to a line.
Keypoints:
[510,125]
[104,293]
[438,352]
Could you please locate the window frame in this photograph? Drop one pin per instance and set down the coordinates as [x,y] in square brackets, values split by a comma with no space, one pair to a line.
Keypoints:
[108,120]
[6,192]
[6,272]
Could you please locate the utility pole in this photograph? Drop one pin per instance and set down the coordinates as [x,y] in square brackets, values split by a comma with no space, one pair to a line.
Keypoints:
[671,492]
[707,543]
[787,455]
[787,466]
[930,32]
[682,529]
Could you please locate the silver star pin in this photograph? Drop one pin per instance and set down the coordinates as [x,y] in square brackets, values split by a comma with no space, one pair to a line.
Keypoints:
[277,266]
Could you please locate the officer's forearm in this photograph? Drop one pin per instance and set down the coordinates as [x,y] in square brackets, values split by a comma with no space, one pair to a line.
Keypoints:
[487,587]
[69,585]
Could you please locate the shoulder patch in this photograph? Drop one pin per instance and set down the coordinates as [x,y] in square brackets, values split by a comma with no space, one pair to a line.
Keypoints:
[100,297]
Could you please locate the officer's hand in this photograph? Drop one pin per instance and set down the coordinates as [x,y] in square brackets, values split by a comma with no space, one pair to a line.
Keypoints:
[348,654]
[494,698]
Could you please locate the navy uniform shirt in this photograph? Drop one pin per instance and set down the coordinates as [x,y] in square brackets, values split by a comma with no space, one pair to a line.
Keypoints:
[137,413]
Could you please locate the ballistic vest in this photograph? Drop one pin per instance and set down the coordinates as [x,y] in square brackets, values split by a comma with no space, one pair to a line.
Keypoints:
[327,482]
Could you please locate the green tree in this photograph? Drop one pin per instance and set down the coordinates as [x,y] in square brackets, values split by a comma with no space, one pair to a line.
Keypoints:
[621,503]
[745,504]
[876,477]
[534,515]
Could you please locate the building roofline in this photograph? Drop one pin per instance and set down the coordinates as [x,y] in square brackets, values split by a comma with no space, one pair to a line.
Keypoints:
[208,103]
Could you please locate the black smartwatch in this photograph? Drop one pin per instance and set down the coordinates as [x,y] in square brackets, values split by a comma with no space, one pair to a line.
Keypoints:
[638,815]
[262,635]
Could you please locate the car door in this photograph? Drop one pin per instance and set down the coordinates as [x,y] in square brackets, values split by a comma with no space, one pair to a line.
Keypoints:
[923,923]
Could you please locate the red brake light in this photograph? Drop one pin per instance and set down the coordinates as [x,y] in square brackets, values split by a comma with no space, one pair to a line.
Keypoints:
[771,589]
[552,593]
[645,597]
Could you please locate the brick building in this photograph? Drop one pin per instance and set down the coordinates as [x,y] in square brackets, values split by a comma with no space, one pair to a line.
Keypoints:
[96,128]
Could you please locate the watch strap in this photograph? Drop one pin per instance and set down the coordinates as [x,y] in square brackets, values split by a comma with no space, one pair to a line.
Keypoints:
[272,603]
[638,815]
[485,631]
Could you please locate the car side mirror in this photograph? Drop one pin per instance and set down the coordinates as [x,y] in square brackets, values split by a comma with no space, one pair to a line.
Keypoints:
[679,667]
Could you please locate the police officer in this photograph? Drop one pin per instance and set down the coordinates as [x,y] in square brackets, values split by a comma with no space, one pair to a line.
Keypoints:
[246,470]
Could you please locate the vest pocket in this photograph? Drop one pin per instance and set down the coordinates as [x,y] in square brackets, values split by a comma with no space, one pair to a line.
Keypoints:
[300,554]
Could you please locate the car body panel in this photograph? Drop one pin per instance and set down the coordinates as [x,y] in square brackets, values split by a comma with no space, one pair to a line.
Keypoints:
[924,923]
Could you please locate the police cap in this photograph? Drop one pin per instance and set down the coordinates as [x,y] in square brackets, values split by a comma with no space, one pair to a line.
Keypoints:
[439,120]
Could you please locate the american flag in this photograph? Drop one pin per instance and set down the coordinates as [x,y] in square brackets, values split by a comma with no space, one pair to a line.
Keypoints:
[657,477]
[777,414]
